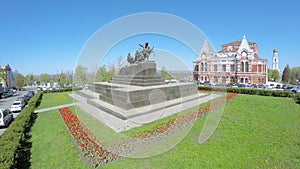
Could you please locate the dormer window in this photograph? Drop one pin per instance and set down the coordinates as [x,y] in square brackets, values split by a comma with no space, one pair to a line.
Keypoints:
[244,54]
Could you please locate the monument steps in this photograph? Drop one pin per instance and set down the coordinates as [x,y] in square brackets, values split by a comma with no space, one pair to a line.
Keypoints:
[134,112]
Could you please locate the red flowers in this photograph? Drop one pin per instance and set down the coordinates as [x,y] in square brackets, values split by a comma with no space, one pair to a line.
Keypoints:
[88,146]
[94,152]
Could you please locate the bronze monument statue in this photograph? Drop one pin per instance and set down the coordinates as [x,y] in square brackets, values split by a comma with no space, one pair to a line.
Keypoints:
[141,55]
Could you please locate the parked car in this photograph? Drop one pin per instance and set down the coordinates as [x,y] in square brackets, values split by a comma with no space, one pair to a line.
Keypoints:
[22,98]
[27,97]
[17,106]
[30,94]
[22,89]
[4,95]
[6,117]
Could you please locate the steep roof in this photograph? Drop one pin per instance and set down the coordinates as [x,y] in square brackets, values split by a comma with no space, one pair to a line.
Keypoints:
[206,48]
[244,45]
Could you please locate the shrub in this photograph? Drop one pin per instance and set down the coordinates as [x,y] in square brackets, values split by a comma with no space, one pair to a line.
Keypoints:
[274,93]
[11,139]
[62,90]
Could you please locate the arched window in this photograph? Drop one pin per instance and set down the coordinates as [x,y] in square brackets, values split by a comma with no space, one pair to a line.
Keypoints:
[202,66]
[205,67]
[242,67]
[246,67]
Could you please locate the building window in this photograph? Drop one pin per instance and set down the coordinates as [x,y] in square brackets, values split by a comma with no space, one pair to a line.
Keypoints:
[215,79]
[224,68]
[259,81]
[223,79]
[232,79]
[205,67]
[196,68]
[242,67]
[232,68]
[202,67]
[201,78]
[246,80]
[246,67]
[215,68]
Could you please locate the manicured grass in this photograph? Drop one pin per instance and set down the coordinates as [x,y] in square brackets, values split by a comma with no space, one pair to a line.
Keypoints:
[51,144]
[254,132]
[55,99]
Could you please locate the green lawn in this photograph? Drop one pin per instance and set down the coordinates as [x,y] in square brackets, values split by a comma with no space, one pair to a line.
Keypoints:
[254,132]
[51,144]
[55,99]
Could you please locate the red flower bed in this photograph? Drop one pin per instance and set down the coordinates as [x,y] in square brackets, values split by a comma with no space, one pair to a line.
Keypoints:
[165,129]
[91,149]
[97,155]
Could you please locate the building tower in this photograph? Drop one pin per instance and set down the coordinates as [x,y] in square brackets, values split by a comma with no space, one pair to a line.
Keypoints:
[275,60]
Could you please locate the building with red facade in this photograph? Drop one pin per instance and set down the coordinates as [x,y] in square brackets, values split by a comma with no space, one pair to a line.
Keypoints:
[236,62]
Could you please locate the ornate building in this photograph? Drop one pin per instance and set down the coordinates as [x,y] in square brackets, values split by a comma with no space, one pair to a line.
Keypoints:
[236,62]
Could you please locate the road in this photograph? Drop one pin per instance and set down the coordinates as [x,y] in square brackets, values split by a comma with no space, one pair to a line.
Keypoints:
[7,102]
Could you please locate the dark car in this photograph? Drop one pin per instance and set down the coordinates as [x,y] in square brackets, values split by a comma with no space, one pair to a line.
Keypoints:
[29,94]
[242,85]
[22,98]
[284,87]
[26,97]
[22,89]
[278,86]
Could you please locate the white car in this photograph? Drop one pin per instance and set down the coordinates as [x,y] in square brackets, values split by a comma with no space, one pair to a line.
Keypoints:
[17,106]
[6,117]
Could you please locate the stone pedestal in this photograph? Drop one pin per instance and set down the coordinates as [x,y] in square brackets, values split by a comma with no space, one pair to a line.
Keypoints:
[140,74]
[137,88]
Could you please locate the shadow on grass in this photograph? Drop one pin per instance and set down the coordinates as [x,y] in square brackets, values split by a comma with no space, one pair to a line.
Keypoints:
[38,102]
[22,157]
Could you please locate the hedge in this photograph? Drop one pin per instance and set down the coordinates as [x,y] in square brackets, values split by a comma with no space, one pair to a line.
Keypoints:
[62,90]
[12,139]
[261,92]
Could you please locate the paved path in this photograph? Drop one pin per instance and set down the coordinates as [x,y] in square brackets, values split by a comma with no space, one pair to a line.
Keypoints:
[53,108]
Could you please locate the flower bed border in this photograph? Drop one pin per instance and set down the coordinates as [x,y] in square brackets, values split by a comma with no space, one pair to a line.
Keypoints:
[94,153]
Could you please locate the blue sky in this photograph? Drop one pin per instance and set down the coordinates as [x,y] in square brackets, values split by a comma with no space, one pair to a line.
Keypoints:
[47,36]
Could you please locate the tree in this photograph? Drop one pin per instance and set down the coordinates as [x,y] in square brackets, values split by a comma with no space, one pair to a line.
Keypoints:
[80,75]
[106,73]
[44,78]
[29,79]
[101,75]
[164,74]
[19,79]
[295,75]
[276,75]
[270,74]
[286,75]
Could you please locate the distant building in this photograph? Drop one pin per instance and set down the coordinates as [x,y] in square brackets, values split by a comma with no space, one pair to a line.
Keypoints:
[7,77]
[275,60]
[236,62]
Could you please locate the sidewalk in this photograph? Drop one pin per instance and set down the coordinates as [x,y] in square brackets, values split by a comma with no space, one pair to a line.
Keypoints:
[53,108]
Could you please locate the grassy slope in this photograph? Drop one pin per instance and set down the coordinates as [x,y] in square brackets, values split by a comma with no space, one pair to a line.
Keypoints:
[51,144]
[254,132]
[55,99]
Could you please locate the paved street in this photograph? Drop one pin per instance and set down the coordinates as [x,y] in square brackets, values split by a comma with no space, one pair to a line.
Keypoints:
[7,102]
